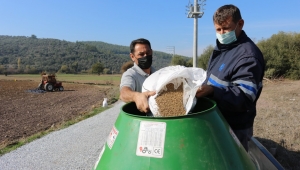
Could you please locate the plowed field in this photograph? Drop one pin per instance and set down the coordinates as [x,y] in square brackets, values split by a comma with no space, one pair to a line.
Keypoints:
[23,113]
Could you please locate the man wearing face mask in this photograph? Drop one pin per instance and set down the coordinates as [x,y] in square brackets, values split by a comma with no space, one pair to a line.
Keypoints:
[234,74]
[133,79]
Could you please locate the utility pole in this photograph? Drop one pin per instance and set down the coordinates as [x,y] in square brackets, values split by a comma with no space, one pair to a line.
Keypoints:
[171,48]
[195,11]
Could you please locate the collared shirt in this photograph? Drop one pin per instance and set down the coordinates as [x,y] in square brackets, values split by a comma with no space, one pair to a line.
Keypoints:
[134,78]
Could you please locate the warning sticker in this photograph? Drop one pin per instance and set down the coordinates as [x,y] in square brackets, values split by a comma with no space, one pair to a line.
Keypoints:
[234,137]
[151,139]
[112,137]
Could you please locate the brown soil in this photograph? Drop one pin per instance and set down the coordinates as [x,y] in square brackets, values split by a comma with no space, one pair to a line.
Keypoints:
[277,124]
[23,113]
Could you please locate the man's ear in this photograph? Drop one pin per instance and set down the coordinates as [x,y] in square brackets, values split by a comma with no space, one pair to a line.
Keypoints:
[132,57]
[241,24]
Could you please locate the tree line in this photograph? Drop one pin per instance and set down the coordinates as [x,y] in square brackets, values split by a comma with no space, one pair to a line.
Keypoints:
[29,54]
[281,53]
[21,54]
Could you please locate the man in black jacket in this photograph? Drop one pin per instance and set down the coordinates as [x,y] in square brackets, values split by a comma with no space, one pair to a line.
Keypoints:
[234,74]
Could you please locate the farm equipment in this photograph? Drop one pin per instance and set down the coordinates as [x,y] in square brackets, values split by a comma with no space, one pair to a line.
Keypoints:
[49,83]
[199,140]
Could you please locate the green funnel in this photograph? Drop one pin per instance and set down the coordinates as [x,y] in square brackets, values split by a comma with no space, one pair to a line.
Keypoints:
[199,140]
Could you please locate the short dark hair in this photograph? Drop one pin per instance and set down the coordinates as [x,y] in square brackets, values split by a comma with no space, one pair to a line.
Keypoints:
[138,41]
[226,11]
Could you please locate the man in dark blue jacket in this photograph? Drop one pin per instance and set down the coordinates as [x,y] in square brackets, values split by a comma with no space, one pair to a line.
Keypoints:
[234,74]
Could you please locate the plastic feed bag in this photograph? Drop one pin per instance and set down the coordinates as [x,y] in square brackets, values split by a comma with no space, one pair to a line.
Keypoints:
[172,82]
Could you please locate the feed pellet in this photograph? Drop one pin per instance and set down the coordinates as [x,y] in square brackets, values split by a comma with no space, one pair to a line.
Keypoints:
[170,101]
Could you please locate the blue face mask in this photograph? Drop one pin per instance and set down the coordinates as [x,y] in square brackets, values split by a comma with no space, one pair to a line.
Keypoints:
[227,38]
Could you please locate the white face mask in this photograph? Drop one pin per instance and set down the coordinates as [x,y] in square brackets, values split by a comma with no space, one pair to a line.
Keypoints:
[228,37]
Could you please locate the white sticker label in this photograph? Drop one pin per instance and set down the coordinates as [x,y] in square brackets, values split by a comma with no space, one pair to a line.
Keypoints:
[234,137]
[151,139]
[112,137]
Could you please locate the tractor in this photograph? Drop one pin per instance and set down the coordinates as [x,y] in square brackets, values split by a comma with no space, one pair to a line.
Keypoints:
[49,83]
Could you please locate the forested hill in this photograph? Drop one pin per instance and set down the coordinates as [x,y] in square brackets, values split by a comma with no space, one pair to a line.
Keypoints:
[33,55]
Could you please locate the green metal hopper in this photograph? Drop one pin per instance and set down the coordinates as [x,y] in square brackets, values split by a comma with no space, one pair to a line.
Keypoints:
[199,140]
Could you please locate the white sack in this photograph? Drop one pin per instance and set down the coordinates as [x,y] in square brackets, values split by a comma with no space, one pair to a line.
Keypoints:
[192,79]
[104,103]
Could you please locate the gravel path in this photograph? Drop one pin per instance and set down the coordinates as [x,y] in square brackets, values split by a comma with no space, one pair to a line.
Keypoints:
[75,147]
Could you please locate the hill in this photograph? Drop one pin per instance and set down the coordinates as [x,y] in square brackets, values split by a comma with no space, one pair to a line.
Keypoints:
[34,55]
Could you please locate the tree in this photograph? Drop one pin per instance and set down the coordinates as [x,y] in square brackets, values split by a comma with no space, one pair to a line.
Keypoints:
[106,71]
[64,69]
[74,67]
[33,36]
[282,55]
[189,63]
[204,57]
[97,68]
[30,70]
[178,60]
[2,69]
[19,63]
[126,66]
[91,48]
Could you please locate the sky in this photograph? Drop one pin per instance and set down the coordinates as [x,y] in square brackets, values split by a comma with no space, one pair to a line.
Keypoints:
[163,22]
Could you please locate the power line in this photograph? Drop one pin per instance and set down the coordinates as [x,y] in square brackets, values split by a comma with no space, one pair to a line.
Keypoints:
[171,48]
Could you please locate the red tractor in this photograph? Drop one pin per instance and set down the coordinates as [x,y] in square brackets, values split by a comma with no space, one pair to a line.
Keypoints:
[49,83]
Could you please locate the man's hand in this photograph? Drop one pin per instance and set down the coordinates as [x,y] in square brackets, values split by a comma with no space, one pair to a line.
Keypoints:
[204,90]
[141,100]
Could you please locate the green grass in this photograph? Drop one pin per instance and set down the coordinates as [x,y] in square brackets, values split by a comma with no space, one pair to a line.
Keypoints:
[72,78]
[69,77]
[87,77]
[22,76]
